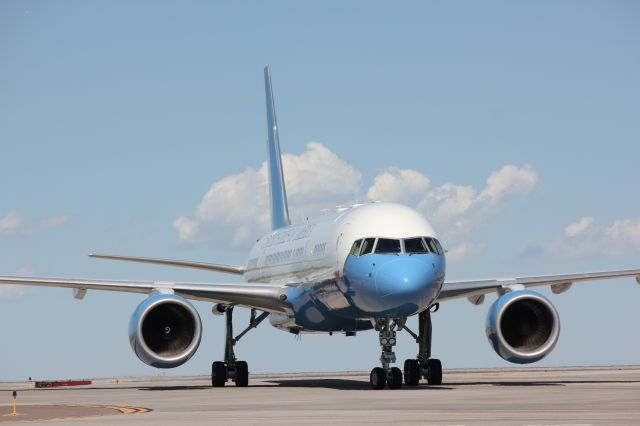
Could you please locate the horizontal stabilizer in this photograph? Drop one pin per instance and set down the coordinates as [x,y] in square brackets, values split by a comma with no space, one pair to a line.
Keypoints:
[227,269]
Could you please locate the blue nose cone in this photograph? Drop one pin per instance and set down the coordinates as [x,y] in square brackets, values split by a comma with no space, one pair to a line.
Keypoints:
[407,280]
[395,285]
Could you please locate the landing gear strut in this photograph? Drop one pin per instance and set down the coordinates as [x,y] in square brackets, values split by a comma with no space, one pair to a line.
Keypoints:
[425,366]
[391,376]
[232,369]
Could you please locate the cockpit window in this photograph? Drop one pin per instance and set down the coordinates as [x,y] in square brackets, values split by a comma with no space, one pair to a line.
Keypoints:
[390,246]
[434,245]
[415,245]
[440,249]
[367,246]
[386,245]
[355,249]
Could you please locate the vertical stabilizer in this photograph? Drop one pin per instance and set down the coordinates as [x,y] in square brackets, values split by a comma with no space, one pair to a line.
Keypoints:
[277,192]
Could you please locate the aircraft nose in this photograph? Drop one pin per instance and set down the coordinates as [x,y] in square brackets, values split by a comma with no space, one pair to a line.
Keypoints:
[408,279]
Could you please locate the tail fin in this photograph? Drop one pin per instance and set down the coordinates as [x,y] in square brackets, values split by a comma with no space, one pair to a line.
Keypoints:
[277,192]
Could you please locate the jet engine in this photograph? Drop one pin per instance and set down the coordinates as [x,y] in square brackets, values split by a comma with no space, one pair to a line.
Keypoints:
[165,331]
[522,326]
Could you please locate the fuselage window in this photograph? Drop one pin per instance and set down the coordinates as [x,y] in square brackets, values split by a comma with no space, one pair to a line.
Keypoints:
[386,245]
[355,249]
[415,245]
[367,246]
[319,249]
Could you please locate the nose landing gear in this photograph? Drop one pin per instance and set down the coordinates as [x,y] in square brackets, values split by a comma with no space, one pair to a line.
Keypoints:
[386,375]
[414,369]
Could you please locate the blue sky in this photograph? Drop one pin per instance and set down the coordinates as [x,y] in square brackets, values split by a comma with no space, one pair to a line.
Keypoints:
[116,118]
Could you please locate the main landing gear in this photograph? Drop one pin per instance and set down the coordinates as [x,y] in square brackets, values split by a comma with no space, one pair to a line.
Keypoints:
[232,369]
[414,369]
[425,366]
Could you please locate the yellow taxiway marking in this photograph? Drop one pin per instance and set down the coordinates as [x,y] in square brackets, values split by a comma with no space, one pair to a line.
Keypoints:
[121,409]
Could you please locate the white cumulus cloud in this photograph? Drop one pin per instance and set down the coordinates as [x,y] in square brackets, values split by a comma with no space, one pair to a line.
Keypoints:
[580,227]
[456,209]
[586,238]
[463,250]
[403,186]
[237,206]
[509,180]
[187,229]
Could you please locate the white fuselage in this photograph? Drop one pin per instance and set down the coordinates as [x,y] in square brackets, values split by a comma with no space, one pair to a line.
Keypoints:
[315,251]
[319,247]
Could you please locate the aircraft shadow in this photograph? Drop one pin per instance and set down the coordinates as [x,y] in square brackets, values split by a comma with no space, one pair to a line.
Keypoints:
[352,384]
[541,383]
[337,384]
[515,384]
[175,388]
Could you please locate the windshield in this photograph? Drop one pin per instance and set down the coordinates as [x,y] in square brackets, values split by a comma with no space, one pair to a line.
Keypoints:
[355,249]
[434,245]
[415,245]
[367,246]
[386,245]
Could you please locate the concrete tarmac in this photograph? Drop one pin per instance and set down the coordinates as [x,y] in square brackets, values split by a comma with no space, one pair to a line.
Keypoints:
[527,396]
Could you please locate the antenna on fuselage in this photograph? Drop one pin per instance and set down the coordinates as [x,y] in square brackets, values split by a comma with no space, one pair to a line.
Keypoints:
[277,192]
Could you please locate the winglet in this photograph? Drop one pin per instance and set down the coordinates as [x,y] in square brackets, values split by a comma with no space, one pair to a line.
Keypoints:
[277,192]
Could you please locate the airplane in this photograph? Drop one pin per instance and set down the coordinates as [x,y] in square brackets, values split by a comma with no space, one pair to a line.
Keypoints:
[363,267]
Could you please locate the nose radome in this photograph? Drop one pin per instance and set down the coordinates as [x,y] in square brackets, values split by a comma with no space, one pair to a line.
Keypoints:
[405,275]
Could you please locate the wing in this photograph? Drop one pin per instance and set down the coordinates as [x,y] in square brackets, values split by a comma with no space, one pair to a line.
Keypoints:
[267,297]
[475,290]
[217,267]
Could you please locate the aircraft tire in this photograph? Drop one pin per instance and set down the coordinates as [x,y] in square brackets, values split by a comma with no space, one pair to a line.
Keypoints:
[378,378]
[242,374]
[218,374]
[394,381]
[411,372]
[434,372]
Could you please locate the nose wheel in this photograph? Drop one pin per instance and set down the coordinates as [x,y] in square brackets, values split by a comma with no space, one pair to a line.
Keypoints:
[386,375]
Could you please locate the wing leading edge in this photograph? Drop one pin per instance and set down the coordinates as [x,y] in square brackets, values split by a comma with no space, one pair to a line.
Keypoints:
[267,297]
[474,290]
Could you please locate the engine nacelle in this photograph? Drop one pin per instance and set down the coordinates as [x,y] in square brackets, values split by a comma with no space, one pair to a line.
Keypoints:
[522,326]
[165,331]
